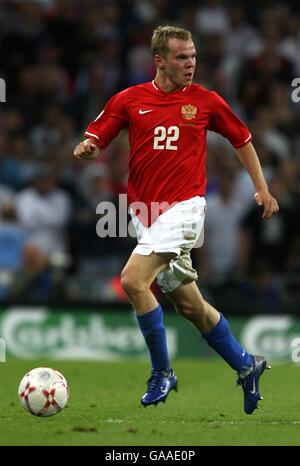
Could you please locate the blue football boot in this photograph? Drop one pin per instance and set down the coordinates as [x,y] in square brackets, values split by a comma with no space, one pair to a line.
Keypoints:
[250,383]
[159,386]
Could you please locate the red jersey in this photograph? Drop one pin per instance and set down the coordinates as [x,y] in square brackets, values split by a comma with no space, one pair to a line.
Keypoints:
[167,136]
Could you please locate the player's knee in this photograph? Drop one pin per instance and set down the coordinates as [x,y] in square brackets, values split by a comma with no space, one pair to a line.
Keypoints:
[131,284]
[126,281]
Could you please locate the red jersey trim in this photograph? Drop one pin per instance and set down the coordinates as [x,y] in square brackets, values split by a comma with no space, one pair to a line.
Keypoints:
[154,85]
[249,138]
[91,134]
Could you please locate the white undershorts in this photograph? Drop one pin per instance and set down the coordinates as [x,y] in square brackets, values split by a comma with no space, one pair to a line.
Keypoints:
[177,230]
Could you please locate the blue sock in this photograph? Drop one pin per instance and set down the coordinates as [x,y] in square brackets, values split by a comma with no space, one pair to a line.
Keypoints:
[224,343]
[154,332]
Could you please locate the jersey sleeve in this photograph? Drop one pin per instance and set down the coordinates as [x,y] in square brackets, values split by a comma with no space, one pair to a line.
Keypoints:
[110,121]
[225,122]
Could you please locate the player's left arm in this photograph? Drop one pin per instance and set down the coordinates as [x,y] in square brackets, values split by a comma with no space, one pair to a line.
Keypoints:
[250,160]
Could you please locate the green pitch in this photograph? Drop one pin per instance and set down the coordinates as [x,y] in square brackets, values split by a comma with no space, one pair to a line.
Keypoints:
[104,407]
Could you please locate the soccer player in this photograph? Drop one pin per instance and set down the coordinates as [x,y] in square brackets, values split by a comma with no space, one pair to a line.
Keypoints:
[167,120]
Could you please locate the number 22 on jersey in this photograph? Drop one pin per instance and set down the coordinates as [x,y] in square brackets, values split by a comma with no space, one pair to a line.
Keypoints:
[164,138]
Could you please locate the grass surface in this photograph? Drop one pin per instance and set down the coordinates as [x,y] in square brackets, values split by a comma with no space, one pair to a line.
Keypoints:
[104,407]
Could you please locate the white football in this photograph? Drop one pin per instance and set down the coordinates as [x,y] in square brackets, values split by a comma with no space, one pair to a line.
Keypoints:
[43,391]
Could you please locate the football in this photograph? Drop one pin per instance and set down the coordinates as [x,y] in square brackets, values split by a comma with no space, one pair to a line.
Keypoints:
[43,392]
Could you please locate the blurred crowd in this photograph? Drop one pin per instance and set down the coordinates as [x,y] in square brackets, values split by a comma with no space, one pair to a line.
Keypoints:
[62,60]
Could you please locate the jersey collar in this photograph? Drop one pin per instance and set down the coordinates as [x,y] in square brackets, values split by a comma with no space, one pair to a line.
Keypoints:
[157,88]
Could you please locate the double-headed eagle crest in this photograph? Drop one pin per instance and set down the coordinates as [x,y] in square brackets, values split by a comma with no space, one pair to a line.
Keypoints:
[188,111]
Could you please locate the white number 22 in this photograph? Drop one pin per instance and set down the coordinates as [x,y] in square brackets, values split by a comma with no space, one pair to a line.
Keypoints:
[164,137]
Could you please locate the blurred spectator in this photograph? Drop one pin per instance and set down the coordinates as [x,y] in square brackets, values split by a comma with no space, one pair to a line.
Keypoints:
[211,18]
[21,153]
[289,46]
[242,37]
[13,122]
[38,279]
[288,172]
[292,275]
[117,157]
[9,168]
[270,240]
[91,93]
[257,74]
[44,211]
[261,292]
[5,195]
[93,188]
[244,188]
[140,63]
[45,137]
[12,239]
[224,212]
[270,135]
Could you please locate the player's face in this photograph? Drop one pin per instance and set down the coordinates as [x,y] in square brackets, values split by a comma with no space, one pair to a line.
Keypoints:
[180,63]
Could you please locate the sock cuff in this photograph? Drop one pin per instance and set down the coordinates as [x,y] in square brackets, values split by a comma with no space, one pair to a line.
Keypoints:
[151,318]
[221,327]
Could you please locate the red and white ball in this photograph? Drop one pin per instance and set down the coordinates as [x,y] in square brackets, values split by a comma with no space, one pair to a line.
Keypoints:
[43,391]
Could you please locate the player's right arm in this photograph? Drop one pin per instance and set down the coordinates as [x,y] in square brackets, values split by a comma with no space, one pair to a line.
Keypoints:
[88,150]
[104,128]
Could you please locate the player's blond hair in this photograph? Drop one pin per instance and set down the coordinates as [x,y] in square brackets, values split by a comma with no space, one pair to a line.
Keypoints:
[161,36]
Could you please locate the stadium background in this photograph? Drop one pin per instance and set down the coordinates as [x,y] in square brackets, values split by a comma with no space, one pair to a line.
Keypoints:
[60,294]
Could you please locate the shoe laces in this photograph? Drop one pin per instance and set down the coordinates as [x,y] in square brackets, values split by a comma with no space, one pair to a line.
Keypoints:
[245,382]
[242,382]
[155,380]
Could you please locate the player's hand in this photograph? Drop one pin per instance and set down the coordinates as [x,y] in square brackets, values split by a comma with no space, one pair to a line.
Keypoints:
[86,150]
[269,203]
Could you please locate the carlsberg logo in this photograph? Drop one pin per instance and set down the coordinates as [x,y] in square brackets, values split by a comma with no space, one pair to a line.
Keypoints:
[39,333]
[270,336]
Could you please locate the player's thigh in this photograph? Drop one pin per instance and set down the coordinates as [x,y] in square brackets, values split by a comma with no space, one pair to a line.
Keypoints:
[145,268]
[186,296]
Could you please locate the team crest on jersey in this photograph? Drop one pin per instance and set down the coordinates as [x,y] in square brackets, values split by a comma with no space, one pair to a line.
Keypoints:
[188,111]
